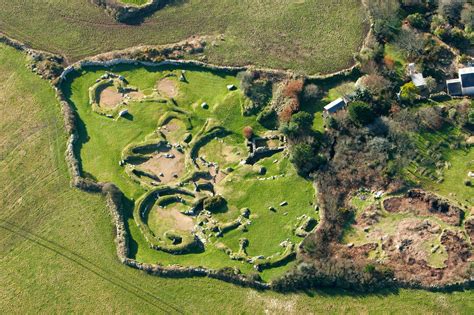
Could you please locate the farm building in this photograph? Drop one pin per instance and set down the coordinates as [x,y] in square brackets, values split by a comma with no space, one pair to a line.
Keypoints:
[334,106]
[463,85]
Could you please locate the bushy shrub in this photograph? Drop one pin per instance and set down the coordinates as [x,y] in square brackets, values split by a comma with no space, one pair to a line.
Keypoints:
[417,21]
[470,117]
[312,92]
[258,90]
[305,158]
[361,113]
[299,124]
[268,118]
[247,132]
[409,92]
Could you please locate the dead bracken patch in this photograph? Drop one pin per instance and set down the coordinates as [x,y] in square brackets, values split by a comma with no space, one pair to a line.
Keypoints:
[426,204]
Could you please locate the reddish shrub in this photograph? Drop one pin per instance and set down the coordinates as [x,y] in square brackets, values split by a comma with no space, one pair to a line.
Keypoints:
[293,88]
[247,132]
[285,114]
[389,62]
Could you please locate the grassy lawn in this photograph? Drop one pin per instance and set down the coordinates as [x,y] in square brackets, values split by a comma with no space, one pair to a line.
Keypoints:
[398,58]
[311,36]
[461,163]
[58,254]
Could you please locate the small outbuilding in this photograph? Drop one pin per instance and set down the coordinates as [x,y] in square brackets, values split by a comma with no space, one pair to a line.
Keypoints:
[454,87]
[416,77]
[467,80]
[335,106]
[463,85]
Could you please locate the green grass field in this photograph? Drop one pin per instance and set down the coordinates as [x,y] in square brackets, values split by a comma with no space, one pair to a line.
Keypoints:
[56,243]
[310,36]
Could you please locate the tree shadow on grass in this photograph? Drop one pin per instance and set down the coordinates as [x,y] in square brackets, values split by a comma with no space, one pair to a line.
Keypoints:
[79,127]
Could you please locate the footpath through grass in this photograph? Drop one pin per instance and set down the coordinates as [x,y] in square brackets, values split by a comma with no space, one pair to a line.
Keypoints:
[56,243]
[311,36]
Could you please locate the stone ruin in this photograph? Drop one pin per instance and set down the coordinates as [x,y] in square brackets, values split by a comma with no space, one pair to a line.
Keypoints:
[258,147]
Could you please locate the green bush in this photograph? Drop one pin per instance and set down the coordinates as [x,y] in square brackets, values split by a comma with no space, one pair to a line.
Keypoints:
[300,124]
[417,21]
[305,158]
[268,118]
[258,90]
[361,113]
[409,92]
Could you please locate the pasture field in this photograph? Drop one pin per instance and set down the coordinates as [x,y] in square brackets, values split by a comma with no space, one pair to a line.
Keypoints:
[103,141]
[58,255]
[312,36]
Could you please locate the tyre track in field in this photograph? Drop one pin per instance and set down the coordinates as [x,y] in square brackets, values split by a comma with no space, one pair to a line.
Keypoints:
[84,263]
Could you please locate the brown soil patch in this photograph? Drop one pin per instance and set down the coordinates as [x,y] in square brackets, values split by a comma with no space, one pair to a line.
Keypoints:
[173,130]
[217,174]
[182,222]
[167,87]
[425,204]
[169,167]
[110,97]
[136,95]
